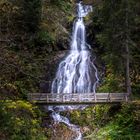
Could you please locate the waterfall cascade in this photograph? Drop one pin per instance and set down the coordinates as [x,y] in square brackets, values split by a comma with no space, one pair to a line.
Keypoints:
[77,72]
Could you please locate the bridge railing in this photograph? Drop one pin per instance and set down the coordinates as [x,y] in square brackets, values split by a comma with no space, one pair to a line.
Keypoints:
[77,98]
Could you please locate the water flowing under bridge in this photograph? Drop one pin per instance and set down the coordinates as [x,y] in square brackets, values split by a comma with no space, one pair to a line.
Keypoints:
[80,98]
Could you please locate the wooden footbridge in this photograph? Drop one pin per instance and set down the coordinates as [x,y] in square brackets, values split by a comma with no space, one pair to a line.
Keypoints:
[77,98]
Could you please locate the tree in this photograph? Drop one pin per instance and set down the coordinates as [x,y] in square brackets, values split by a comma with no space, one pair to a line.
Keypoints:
[119,22]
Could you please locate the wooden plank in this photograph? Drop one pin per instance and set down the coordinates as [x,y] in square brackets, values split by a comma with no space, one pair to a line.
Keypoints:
[77,98]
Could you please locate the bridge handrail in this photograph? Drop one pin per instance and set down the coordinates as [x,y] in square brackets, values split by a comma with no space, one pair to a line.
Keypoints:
[78,97]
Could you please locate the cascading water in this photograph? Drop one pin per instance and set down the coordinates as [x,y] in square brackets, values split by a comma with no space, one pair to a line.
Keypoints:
[77,72]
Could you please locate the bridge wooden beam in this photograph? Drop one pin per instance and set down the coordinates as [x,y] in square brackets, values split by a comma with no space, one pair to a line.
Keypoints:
[77,98]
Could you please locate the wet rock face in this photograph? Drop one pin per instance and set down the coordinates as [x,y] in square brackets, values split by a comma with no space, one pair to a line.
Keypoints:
[45,86]
[61,132]
[50,70]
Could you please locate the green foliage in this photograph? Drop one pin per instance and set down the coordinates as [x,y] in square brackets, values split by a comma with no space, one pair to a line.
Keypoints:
[63,4]
[112,83]
[125,125]
[31,14]
[27,46]
[66,6]
[92,117]
[20,121]
[20,72]
[45,38]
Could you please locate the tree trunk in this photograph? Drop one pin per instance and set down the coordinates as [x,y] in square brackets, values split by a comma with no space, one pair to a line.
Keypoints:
[127,79]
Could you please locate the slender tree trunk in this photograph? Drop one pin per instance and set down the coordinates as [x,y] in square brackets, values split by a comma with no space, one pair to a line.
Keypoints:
[127,77]
[128,81]
[42,9]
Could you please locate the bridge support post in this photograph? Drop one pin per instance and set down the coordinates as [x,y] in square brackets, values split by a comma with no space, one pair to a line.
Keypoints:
[47,98]
[126,97]
[95,97]
[109,98]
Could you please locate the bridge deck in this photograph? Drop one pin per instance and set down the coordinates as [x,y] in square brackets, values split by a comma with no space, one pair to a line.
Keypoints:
[77,98]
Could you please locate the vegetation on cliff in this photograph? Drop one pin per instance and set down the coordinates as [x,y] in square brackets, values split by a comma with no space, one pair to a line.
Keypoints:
[109,122]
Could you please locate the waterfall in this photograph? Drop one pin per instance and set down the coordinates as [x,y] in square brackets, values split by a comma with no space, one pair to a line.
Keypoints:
[77,72]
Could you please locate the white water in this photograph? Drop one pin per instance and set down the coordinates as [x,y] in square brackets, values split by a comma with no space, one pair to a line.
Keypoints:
[77,72]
